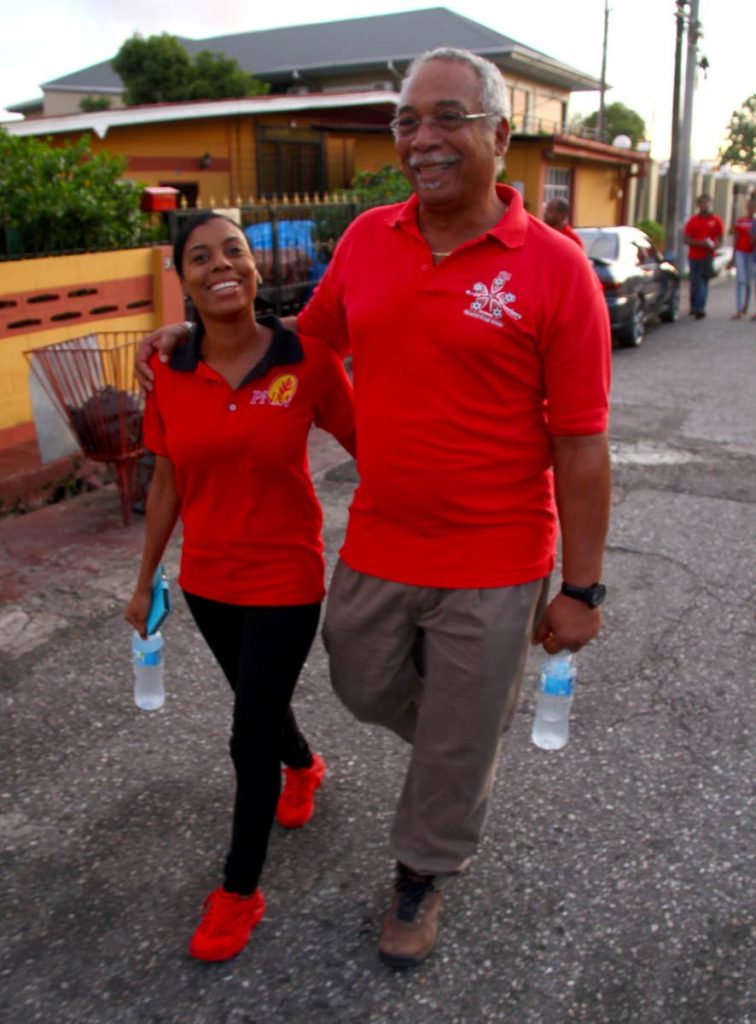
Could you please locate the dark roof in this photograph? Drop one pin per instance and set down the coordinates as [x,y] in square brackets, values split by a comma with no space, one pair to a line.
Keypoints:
[27,107]
[285,55]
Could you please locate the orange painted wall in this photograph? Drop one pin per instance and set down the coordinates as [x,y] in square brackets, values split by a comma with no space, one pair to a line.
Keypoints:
[61,274]
[524,165]
[172,152]
[373,151]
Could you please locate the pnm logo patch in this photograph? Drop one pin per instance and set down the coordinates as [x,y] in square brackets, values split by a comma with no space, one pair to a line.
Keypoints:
[280,393]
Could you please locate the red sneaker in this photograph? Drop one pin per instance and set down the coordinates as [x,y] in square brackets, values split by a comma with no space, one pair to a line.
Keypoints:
[297,801]
[226,925]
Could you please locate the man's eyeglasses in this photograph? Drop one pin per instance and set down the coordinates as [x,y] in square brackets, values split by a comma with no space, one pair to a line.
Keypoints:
[447,121]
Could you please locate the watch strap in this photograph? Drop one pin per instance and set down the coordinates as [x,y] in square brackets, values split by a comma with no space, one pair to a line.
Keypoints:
[593,596]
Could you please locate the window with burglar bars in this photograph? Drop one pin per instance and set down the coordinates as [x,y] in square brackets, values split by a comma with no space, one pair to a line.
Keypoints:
[557,184]
[290,162]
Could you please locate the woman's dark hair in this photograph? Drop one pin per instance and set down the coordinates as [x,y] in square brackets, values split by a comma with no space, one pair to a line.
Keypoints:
[195,221]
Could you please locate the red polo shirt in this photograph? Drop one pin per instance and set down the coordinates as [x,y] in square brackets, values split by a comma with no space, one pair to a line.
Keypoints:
[250,515]
[701,227]
[569,233]
[743,230]
[462,372]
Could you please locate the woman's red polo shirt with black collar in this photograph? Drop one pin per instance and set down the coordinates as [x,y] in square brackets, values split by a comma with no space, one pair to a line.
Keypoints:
[250,516]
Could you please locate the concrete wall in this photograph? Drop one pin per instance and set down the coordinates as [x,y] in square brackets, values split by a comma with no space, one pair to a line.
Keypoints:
[52,299]
[63,101]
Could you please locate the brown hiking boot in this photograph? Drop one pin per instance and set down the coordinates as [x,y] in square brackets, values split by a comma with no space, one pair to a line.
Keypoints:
[411,926]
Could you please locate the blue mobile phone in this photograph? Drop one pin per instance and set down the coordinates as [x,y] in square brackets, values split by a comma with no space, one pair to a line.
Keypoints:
[160,605]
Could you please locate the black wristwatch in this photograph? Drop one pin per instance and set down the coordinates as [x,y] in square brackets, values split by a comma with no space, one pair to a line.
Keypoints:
[593,596]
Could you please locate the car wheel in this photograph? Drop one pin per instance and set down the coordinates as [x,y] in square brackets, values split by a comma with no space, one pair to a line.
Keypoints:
[671,314]
[633,334]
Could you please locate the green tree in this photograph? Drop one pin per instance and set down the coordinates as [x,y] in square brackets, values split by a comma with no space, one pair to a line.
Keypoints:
[386,185]
[215,77]
[740,133]
[159,70]
[63,198]
[154,70]
[618,120]
[91,103]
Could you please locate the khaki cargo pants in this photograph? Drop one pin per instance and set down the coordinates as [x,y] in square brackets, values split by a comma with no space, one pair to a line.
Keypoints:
[442,669]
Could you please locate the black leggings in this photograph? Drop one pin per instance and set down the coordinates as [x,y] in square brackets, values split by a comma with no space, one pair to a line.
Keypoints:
[261,651]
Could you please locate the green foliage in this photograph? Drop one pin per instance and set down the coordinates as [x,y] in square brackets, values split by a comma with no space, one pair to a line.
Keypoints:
[618,120]
[159,70]
[376,188]
[89,104]
[154,70]
[654,230]
[64,198]
[740,150]
[215,77]
[331,221]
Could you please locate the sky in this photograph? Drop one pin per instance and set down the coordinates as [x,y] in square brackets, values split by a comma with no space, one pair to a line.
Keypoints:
[45,39]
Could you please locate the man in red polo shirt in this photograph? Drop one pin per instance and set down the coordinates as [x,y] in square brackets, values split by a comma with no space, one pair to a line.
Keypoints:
[481,387]
[555,214]
[702,234]
[481,382]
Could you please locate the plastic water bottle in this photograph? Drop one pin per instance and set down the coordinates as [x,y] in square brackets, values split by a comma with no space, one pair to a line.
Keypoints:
[556,683]
[147,657]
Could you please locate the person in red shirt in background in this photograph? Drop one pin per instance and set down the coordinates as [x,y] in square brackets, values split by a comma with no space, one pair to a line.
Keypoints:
[744,257]
[481,354]
[555,215]
[702,233]
[228,420]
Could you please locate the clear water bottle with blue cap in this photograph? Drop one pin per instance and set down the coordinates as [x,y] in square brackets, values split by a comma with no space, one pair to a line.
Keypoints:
[147,657]
[556,686]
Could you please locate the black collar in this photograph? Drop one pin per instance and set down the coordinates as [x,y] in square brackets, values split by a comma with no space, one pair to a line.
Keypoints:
[285,348]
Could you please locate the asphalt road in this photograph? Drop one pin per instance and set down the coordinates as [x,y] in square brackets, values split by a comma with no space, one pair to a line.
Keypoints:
[615,884]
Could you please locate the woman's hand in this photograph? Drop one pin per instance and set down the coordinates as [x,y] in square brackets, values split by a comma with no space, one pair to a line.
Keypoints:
[164,340]
[138,609]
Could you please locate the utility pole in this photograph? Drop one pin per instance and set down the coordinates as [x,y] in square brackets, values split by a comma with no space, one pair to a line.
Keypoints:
[600,125]
[686,130]
[671,212]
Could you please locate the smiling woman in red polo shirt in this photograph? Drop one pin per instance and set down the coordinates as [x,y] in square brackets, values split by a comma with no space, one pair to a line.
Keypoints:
[228,420]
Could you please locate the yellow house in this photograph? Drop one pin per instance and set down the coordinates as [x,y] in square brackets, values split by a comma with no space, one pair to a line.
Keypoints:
[333,87]
[259,146]
[225,152]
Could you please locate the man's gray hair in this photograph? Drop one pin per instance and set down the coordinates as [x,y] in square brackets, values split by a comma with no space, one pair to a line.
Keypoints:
[493,89]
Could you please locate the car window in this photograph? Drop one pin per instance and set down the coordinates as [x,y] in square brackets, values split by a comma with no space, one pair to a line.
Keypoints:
[600,245]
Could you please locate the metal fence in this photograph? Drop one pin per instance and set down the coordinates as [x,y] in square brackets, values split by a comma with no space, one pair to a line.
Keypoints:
[292,243]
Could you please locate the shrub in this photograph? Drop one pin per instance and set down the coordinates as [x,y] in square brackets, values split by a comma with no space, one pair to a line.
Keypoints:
[654,230]
[65,198]
[376,188]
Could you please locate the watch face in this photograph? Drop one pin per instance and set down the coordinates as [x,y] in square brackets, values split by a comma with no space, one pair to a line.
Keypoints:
[598,594]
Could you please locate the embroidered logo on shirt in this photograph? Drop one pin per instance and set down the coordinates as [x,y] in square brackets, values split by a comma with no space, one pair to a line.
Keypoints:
[490,304]
[280,393]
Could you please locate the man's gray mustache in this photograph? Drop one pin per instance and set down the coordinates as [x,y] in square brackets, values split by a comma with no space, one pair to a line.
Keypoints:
[423,161]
